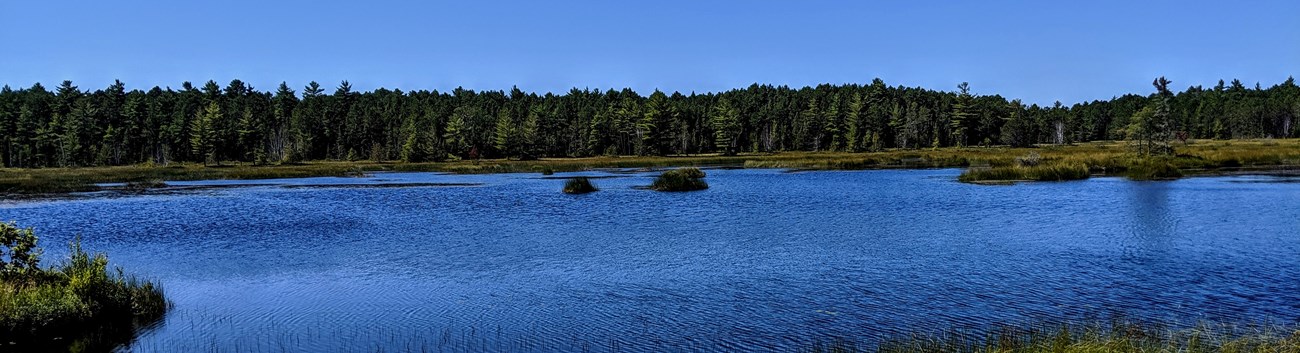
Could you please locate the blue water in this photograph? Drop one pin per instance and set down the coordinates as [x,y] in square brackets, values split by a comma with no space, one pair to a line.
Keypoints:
[763,260]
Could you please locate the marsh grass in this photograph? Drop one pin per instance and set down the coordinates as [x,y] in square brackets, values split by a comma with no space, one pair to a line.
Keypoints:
[1053,172]
[680,179]
[77,299]
[1115,337]
[579,185]
[1101,158]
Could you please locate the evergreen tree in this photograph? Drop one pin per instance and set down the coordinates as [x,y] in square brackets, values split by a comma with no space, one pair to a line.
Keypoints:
[725,122]
[203,135]
[963,115]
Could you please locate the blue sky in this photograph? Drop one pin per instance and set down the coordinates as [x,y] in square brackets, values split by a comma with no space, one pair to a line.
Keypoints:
[1040,51]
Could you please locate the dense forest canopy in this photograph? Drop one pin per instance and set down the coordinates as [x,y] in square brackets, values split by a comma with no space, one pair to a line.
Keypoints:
[70,127]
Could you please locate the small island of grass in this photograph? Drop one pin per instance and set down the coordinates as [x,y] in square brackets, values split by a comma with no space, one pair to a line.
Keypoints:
[680,179]
[579,185]
[80,298]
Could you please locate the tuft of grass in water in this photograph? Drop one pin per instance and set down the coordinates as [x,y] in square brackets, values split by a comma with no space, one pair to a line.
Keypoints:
[44,306]
[680,179]
[579,185]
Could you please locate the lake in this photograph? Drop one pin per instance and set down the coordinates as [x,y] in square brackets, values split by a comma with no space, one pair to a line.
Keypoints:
[764,260]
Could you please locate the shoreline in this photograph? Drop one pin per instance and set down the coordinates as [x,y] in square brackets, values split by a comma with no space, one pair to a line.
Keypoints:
[1198,158]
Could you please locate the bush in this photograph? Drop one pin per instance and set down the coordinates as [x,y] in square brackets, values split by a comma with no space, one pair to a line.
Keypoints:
[579,185]
[681,179]
[19,256]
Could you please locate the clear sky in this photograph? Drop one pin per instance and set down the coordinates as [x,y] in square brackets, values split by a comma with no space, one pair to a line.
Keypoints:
[1040,51]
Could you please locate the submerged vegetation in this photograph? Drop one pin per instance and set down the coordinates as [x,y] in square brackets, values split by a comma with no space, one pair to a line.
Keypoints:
[1120,337]
[78,298]
[680,179]
[579,185]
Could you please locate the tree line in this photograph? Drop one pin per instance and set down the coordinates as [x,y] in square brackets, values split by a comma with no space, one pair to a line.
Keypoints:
[72,127]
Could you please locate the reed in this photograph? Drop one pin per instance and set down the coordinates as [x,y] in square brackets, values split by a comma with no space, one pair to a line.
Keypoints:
[579,185]
[680,179]
[1119,337]
[55,306]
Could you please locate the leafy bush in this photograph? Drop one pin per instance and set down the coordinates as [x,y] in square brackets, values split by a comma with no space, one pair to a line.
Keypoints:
[19,255]
[680,179]
[578,185]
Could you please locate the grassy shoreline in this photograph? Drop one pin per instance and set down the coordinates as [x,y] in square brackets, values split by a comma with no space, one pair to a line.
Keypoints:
[985,164]
[81,302]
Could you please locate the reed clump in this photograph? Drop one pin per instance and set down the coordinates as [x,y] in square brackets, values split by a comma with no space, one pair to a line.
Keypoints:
[680,179]
[579,185]
[80,297]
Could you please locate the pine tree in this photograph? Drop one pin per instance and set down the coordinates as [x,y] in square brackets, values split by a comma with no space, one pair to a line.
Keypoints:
[654,125]
[963,115]
[1150,130]
[725,121]
[203,136]
[854,122]
[505,139]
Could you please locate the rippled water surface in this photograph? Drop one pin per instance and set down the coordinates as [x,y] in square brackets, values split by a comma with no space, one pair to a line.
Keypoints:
[763,260]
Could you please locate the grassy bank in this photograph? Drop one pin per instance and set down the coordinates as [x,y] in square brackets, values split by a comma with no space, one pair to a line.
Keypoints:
[997,163]
[1115,337]
[70,304]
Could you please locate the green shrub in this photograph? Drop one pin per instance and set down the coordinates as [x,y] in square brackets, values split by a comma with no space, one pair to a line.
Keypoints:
[19,256]
[579,185]
[680,179]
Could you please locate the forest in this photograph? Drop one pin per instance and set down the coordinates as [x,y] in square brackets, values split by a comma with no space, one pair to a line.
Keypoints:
[212,124]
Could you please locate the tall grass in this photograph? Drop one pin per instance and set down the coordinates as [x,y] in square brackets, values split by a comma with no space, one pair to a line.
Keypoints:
[579,185]
[1116,337]
[681,179]
[77,299]
[1054,172]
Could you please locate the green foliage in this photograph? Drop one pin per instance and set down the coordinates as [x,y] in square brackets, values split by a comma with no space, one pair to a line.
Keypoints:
[579,185]
[75,298]
[1150,130]
[680,179]
[725,122]
[203,138]
[1052,172]
[19,255]
[71,127]
[1153,169]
